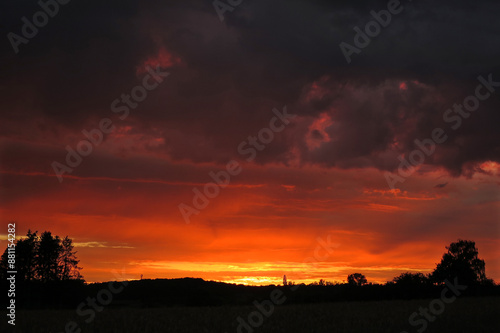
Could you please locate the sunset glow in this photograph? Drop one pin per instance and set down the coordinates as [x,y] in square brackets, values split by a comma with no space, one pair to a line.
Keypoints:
[110,139]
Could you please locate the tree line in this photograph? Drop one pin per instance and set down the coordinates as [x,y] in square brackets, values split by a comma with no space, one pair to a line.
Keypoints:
[43,258]
[461,261]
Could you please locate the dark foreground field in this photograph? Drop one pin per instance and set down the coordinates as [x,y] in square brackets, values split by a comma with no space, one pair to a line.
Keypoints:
[464,315]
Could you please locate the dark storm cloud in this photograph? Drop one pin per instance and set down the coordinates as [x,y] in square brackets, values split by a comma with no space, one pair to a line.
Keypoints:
[265,54]
[373,124]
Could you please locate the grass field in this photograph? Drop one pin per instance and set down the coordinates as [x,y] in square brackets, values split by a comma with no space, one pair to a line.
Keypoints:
[474,315]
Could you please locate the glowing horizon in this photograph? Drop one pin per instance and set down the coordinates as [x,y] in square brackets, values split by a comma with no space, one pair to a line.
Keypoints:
[167,143]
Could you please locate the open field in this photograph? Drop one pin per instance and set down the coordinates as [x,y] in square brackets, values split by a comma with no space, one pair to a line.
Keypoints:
[464,315]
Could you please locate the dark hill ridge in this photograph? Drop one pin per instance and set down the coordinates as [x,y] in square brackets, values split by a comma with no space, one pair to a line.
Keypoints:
[198,292]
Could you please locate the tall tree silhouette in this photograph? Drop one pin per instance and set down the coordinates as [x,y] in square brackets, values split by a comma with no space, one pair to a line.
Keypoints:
[25,256]
[26,250]
[47,258]
[68,264]
[461,261]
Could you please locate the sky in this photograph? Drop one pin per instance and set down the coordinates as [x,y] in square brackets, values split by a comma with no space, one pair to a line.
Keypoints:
[338,149]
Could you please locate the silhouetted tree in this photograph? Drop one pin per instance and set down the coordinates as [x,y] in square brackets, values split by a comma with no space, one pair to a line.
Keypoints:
[461,261]
[68,264]
[47,258]
[356,279]
[25,251]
